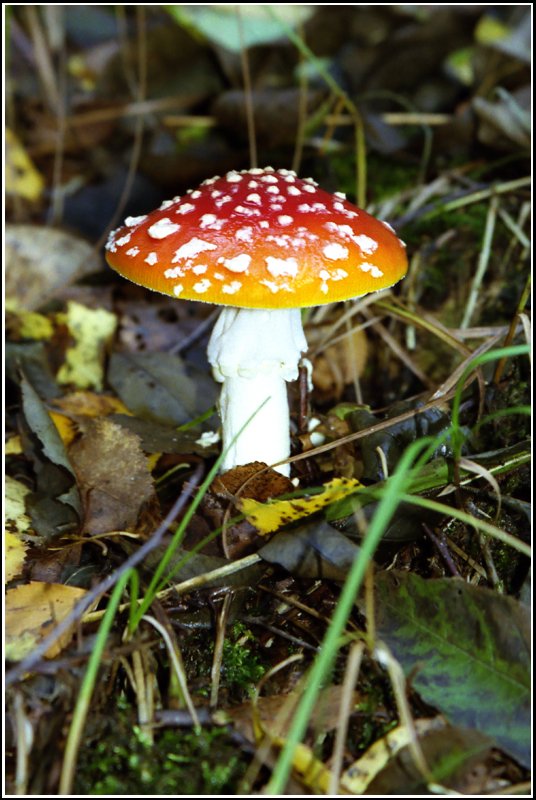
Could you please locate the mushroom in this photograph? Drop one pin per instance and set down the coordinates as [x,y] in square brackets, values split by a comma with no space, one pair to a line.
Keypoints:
[264,244]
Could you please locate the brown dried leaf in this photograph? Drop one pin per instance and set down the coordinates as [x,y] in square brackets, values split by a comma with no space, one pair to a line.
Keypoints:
[113,474]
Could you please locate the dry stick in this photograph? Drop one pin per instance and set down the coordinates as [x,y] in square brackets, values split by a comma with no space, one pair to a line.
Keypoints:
[248,94]
[138,130]
[483,262]
[351,674]
[28,663]
[217,659]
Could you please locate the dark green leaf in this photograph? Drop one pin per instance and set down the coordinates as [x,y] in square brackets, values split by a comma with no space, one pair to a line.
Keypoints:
[468,650]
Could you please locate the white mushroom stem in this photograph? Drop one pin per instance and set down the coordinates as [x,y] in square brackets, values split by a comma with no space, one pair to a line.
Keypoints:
[253,353]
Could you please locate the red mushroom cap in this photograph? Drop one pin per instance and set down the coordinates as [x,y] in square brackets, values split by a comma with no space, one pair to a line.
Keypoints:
[259,238]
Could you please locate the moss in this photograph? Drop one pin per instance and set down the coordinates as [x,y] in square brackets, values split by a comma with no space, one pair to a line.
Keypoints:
[122,762]
[241,666]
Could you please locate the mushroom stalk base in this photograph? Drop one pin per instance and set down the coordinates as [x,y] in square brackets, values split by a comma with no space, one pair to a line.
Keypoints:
[253,353]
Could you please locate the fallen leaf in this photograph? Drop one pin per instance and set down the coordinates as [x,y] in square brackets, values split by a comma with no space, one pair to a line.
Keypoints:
[15,553]
[41,261]
[467,649]
[268,517]
[154,386]
[55,506]
[32,610]
[22,324]
[113,474]
[315,551]
[21,177]
[92,330]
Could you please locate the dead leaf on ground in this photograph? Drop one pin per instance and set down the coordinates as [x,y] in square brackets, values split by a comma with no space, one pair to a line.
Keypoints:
[48,259]
[154,386]
[113,474]
[315,551]
[92,331]
[55,506]
[268,517]
[32,610]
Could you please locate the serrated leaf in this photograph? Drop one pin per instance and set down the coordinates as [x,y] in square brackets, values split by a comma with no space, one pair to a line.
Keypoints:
[468,650]
[268,517]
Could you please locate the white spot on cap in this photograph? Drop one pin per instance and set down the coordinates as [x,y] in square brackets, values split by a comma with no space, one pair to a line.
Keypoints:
[255,171]
[339,275]
[284,219]
[340,194]
[244,234]
[273,189]
[165,204]
[253,184]
[307,187]
[151,259]
[131,221]
[276,287]
[195,194]
[239,263]
[178,289]
[210,181]
[254,198]
[366,244]
[233,177]
[222,200]
[248,212]
[335,251]
[164,227]
[269,179]
[133,252]
[324,288]
[294,190]
[210,221]
[185,208]
[123,240]
[202,286]
[191,249]
[346,211]
[174,272]
[372,268]
[264,223]
[200,269]
[281,266]
[231,288]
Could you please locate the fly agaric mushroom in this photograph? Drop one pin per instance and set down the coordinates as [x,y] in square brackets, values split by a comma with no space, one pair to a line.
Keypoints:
[263,244]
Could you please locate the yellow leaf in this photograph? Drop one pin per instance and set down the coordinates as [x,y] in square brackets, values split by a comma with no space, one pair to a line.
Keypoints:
[32,611]
[91,330]
[65,427]
[13,446]
[27,324]
[15,553]
[268,517]
[89,404]
[16,519]
[22,178]
[363,771]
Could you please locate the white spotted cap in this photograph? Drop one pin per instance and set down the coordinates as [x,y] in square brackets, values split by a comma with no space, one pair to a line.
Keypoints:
[260,238]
